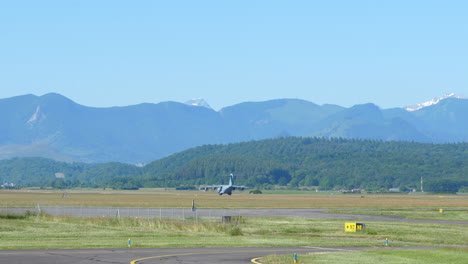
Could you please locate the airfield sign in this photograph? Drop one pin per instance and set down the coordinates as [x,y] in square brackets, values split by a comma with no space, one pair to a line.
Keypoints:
[354,227]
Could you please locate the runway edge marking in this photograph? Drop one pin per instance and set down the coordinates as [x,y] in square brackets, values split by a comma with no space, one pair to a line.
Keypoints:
[255,260]
[199,253]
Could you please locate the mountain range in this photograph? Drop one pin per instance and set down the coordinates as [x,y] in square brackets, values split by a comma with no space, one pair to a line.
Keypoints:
[53,126]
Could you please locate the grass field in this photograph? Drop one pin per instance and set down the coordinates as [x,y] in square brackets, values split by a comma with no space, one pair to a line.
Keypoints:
[45,231]
[210,199]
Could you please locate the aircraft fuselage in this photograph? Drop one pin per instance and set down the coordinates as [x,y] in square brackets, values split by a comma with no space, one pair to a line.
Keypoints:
[225,189]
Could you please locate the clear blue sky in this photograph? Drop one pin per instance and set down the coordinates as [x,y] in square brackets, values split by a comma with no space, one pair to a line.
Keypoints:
[114,53]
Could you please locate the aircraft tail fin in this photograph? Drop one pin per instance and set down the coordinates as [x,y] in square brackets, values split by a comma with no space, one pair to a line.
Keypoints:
[231,179]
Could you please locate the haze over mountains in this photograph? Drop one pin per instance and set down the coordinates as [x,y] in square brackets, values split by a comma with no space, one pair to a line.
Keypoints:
[53,126]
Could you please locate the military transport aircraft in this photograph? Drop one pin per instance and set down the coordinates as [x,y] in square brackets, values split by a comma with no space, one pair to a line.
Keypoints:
[225,189]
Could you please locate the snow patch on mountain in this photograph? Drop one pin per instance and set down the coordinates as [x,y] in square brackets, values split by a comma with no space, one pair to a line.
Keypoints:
[198,102]
[36,116]
[433,102]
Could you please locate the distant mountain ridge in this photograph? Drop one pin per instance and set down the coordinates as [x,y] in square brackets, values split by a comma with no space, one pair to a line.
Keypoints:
[53,126]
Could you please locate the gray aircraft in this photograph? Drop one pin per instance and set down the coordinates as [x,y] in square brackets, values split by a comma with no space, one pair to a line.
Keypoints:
[225,189]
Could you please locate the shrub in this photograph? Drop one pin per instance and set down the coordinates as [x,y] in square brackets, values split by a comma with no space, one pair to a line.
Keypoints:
[235,231]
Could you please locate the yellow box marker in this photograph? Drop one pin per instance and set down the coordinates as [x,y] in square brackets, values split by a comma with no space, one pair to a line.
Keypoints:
[354,227]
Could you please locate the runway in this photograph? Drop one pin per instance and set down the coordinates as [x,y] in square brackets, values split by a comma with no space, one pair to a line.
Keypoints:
[157,256]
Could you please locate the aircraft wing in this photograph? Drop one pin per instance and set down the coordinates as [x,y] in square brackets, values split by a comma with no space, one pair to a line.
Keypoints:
[214,187]
[235,187]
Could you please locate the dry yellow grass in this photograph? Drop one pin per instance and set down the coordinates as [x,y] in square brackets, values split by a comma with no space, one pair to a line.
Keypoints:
[183,199]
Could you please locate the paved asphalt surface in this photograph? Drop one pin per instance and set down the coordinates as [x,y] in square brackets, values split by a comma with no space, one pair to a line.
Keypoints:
[184,255]
[156,256]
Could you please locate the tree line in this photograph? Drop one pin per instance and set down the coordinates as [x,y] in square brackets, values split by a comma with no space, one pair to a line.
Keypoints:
[295,162]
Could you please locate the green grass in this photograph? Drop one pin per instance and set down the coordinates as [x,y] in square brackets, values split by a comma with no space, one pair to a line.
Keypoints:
[394,256]
[45,231]
[16,216]
[240,199]
[42,231]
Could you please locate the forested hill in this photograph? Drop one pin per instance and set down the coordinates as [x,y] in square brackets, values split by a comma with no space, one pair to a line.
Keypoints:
[328,163]
[292,161]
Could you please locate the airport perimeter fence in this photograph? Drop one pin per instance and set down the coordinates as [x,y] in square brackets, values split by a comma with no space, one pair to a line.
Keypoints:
[176,214]
[184,214]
